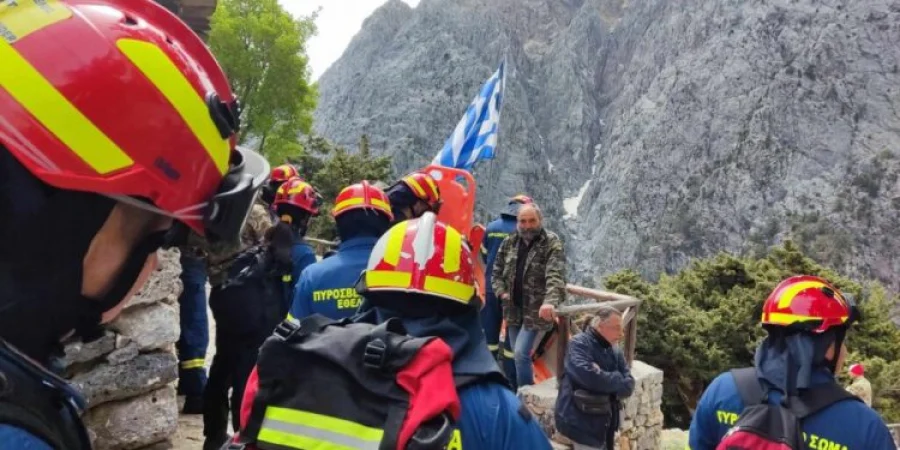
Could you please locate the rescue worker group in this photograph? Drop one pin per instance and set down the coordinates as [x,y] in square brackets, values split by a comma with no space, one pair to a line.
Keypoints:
[118,137]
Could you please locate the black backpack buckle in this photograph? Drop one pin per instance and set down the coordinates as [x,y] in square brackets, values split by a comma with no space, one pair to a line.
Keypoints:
[375,354]
[286,329]
[233,446]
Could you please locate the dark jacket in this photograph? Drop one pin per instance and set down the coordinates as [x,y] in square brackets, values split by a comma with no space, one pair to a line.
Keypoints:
[543,280]
[612,378]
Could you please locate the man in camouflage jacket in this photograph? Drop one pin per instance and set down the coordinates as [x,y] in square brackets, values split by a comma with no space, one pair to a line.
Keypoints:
[529,277]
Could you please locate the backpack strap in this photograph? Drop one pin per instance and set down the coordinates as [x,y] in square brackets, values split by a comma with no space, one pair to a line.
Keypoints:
[817,398]
[748,386]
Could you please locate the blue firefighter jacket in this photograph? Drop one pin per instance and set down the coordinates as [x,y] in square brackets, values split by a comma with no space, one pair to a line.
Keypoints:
[328,286]
[846,425]
[494,235]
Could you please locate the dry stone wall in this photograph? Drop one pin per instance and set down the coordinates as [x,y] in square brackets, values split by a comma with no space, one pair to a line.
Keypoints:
[642,421]
[128,376]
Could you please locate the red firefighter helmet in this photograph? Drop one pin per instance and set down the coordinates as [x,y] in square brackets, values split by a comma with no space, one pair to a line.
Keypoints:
[122,99]
[362,195]
[424,188]
[808,302]
[299,193]
[283,173]
[422,256]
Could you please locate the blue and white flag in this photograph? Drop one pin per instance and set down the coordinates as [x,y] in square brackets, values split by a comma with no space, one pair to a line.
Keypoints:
[475,136]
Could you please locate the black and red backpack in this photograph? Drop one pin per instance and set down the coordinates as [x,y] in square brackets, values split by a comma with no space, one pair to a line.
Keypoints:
[765,426]
[338,384]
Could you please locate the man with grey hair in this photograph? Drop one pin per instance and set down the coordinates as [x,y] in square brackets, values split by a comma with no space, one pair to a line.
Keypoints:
[529,278]
[593,384]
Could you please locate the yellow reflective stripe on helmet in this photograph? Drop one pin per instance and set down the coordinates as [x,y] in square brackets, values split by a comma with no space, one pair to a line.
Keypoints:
[452,250]
[387,278]
[380,203]
[23,17]
[359,201]
[416,187]
[49,107]
[434,188]
[193,363]
[394,245]
[161,71]
[348,203]
[788,318]
[306,430]
[297,189]
[787,296]
[461,292]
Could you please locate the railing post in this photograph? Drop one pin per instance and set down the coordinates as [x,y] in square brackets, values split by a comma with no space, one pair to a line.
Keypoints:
[631,343]
[562,345]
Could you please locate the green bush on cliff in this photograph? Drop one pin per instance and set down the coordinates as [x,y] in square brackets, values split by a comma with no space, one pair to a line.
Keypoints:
[705,320]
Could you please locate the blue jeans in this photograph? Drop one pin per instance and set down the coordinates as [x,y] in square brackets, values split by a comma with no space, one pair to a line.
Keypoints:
[522,341]
[194,337]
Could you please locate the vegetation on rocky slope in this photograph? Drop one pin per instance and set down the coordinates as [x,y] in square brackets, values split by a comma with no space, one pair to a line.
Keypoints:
[704,320]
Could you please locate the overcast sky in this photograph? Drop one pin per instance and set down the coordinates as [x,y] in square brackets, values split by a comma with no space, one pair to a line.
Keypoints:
[338,22]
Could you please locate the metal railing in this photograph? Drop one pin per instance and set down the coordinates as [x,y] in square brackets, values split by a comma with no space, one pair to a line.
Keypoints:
[625,304]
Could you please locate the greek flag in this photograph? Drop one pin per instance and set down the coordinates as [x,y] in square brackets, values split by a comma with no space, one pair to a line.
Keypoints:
[475,136]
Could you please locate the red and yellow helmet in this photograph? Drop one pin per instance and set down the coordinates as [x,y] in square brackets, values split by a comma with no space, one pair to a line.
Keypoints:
[122,99]
[299,193]
[422,256]
[283,173]
[808,302]
[424,187]
[362,195]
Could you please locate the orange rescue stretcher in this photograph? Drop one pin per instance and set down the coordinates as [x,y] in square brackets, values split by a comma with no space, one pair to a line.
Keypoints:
[458,210]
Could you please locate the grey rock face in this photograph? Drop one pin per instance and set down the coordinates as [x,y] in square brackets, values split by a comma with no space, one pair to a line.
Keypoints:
[142,374]
[134,423]
[688,127]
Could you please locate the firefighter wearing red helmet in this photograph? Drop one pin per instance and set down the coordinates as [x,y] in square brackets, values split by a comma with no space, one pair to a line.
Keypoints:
[295,204]
[117,129]
[252,300]
[422,273]
[362,214]
[279,175]
[414,195]
[807,320]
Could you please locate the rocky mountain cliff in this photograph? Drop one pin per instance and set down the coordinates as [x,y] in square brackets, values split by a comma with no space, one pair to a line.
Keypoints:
[652,131]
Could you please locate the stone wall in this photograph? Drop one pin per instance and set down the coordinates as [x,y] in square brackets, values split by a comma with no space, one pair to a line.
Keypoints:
[128,376]
[642,421]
